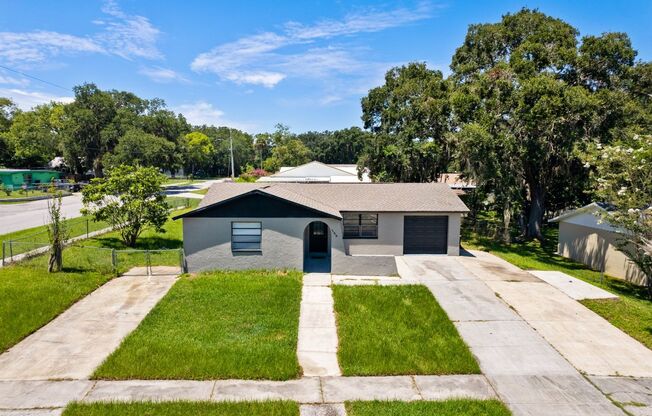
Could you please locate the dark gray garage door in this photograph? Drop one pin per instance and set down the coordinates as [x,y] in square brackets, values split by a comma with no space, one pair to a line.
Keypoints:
[425,235]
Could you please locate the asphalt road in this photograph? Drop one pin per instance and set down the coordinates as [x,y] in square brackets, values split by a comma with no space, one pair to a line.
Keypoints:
[15,217]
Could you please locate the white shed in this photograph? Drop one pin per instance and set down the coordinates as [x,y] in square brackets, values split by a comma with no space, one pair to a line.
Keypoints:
[583,237]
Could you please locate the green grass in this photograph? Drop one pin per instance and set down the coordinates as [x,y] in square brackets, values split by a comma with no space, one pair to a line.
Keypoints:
[200,191]
[453,407]
[30,297]
[32,238]
[632,312]
[270,408]
[22,194]
[394,330]
[216,325]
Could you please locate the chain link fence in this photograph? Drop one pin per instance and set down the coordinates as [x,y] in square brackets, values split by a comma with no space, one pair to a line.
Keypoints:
[79,257]
[76,228]
[31,250]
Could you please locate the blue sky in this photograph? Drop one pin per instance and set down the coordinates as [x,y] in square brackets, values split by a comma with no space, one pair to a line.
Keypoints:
[254,64]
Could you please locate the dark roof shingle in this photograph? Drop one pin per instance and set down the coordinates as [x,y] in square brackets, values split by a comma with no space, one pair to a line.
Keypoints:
[332,198]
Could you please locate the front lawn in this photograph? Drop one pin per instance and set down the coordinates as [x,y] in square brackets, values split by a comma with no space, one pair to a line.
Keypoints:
[19,193]
[30,297]
[632,312]
[394,330]
[216,325]
[271,408]
[454,407]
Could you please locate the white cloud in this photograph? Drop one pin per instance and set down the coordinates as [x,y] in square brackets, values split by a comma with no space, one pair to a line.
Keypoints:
[26,100]
[264,59]
[203,112]
[128,35]
[31,47]
[124,35]
[162,75]
[361,22]
[264,78]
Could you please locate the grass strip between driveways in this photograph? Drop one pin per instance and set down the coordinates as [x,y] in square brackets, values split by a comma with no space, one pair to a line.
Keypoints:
[452,407]
[181,408]
[631,312]
[395,330]
[216,325]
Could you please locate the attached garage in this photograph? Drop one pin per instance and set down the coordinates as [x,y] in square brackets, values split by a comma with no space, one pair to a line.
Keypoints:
[425,234]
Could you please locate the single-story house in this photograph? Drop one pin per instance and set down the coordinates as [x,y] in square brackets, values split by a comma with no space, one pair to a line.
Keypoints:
[16,178]
[584,238]
[354,229]
[317,172]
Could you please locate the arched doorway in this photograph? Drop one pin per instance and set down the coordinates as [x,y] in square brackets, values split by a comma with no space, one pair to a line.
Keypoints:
[317,248]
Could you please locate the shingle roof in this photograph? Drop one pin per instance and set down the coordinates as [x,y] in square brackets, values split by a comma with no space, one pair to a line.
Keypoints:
[333,199]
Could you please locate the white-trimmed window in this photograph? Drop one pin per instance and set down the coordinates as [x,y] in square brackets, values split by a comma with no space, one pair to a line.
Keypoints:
[246,236]
[360,225]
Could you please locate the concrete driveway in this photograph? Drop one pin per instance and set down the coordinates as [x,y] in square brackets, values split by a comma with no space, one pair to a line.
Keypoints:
[73,344]
[528,374]
[16,217]
[588,341]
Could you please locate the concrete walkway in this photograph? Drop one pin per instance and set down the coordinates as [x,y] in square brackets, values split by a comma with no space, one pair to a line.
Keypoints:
[317,393]
[73,344]
[527,373]
[575,288]
[633,394]
[317,346]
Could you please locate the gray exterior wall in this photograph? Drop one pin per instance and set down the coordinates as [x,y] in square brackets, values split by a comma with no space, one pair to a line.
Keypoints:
[390,235]
[597,249]
[207,244]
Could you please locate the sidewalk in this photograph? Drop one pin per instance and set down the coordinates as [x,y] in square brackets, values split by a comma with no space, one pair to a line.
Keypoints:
[320,391]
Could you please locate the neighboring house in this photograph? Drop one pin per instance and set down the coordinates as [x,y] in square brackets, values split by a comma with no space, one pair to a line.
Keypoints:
[317,172]
[586,239]
[16,178]
[457,183]
[341,228]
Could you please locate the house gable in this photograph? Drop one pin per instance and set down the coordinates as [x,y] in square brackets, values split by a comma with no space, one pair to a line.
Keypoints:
[313,169]
[256,204]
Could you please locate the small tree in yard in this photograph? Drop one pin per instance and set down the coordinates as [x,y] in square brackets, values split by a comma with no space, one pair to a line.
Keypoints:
[625,180]
[130,199]
[57,233]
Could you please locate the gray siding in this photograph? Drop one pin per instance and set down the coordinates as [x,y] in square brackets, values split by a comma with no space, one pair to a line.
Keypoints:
[207,244]
[597,249]
[390,235]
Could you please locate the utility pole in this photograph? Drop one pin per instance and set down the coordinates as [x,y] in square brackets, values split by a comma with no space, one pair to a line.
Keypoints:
[232,164]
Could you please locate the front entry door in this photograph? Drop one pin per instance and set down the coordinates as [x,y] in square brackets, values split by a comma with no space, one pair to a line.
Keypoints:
[318,241]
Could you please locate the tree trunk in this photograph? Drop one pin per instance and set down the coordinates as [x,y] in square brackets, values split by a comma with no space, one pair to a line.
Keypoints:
[98,170]
[507,218]
[55,263]
[537,208]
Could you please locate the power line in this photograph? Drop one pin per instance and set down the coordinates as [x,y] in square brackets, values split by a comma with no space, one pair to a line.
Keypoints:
[36,78]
